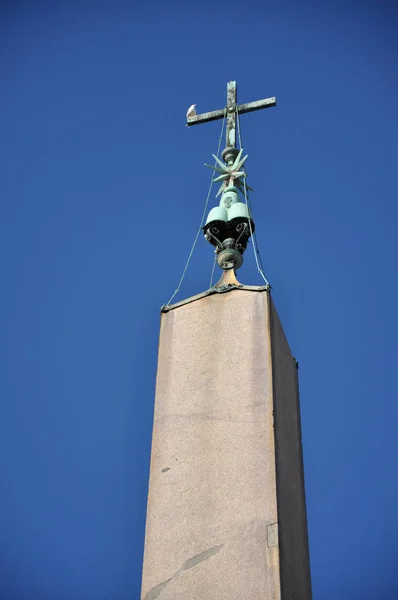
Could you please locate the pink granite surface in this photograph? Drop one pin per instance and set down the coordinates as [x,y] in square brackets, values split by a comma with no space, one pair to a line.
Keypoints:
[211,530]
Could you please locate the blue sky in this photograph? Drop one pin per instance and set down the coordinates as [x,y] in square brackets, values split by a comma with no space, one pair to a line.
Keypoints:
[101,195]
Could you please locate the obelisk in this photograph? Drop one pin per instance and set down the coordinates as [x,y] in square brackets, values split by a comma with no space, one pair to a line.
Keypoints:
[226,517]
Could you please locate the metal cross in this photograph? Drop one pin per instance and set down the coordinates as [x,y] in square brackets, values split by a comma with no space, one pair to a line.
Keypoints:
[231,111]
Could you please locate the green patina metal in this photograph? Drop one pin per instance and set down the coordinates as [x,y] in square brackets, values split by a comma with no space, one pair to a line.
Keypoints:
[217,289]
[230,175]
[229,226]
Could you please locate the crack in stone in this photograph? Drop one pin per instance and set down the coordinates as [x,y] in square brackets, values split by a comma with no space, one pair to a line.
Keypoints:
[203,417]
[189,564]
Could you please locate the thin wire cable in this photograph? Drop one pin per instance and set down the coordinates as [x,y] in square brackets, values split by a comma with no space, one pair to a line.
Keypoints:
[256,250]
[212,272]
[202,219]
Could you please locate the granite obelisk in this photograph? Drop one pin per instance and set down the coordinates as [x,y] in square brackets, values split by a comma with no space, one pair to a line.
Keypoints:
[226,517]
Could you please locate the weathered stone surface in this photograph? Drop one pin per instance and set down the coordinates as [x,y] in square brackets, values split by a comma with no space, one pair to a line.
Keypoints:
[293,539]
[212,531]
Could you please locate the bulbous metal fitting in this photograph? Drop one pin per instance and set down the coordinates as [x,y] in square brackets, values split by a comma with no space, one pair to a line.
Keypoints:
[229,154]
[229,258]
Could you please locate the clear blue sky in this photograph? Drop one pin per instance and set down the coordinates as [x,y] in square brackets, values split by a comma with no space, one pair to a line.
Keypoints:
[101,192]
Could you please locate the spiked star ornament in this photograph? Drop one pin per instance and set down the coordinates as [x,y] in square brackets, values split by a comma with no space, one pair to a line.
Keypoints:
[230,175]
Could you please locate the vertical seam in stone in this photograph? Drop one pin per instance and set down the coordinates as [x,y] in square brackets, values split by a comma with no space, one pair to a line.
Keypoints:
[271,370]
[272,535]
[275,409]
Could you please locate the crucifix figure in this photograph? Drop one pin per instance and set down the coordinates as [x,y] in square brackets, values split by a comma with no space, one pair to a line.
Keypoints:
[231,112]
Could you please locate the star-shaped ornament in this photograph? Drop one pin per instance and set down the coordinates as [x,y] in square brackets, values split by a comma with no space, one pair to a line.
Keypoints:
[230,174]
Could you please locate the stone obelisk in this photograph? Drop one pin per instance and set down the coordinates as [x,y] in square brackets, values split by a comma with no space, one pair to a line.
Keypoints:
[226,517]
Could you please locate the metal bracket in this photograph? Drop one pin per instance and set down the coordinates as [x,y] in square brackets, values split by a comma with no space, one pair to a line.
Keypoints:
[210,234]
[220,289]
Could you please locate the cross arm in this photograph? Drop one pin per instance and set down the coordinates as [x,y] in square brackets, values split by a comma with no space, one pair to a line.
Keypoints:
[242,108]
[257,105]
[205,117]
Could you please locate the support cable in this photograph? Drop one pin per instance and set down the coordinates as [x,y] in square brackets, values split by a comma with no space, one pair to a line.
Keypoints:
[201,221]
[256,250]
[212,272]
